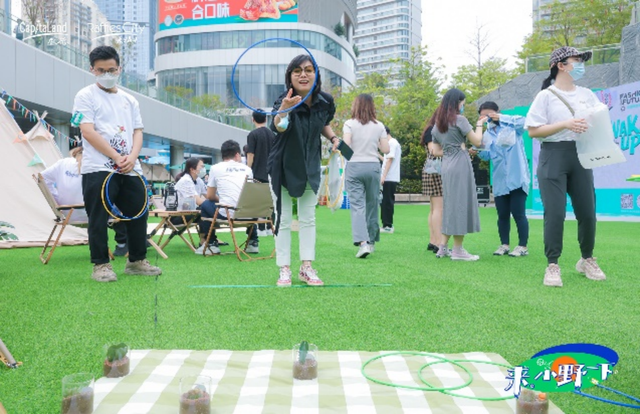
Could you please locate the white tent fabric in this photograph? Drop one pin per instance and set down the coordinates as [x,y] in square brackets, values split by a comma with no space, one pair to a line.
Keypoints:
[155,172]
[22,204]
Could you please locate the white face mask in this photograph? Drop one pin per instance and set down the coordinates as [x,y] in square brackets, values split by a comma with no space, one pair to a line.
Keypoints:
[107,80]
[202,172]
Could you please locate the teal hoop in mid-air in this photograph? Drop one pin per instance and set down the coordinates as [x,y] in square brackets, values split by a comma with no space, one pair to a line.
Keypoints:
[271,39]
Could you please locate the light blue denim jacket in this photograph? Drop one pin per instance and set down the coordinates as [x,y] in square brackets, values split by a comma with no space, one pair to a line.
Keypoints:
[510,166]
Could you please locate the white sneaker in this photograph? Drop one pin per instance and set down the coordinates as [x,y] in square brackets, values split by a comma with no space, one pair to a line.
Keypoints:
[363,251]
[552,276]
[502,250]
[589,267]
[252,247]
[210,251]
[389,230]
[285,277]
[519,251]
[463,255]
[443,251]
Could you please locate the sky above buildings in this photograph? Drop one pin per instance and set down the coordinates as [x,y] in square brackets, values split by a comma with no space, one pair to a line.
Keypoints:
[448,26]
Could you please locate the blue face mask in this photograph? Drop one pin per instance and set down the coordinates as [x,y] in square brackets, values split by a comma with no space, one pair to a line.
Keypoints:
[578,70]
[462,108]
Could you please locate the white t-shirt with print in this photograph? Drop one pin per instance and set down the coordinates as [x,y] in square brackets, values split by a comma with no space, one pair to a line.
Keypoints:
[228,177]
[548,109]
[114,116]
[185,187]
[65,184]
[394,156]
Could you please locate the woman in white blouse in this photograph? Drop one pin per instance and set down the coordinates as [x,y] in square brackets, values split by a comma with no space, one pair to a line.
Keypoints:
[551,119]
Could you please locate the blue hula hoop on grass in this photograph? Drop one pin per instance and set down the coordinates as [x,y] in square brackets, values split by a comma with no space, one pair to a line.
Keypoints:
[233,75]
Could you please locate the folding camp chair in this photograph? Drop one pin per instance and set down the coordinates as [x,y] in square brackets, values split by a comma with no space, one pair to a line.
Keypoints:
[254,201]
[64,218]
[177,229]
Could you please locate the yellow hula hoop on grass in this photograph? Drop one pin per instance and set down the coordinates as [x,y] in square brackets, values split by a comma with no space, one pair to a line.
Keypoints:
[110,206]
[326,183]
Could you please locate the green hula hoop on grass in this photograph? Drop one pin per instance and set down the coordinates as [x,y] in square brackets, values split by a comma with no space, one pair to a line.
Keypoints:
[455,362]
[410,387]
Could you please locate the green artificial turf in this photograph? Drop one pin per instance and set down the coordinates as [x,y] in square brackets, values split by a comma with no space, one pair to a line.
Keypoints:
[56,319]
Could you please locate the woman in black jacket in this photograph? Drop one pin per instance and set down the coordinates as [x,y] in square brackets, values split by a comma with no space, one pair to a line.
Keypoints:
[294,163]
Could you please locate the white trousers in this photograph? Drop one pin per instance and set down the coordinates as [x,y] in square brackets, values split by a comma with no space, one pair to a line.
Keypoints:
[307,220]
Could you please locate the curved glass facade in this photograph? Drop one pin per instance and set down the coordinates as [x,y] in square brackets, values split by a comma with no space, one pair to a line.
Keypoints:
[258,85]
[242,39]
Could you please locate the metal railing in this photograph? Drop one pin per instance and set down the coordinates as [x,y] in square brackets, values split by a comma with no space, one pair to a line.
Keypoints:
[601,54]
[132,81]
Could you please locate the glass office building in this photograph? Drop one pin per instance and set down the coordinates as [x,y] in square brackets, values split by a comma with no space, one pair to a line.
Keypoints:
[196,56]
[387,30]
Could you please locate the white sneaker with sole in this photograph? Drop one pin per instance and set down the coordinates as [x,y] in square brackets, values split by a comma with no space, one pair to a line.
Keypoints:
[519,251]
[552,276]
[502,250]
[285,277]
[389,230]
[252,248]
[462,254]
[364,251]
[589,267]
[211,250]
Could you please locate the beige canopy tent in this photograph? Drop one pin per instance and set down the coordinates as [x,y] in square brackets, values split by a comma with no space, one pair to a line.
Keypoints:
[155,172]
[23,205]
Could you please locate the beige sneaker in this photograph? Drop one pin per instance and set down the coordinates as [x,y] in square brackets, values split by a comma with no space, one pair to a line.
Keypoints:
[141,268]
[552,276]
[589,267]
[103,273]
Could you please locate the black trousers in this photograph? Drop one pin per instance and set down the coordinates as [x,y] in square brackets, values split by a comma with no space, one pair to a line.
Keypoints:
[121,232]
[513,204]
[126,192]
[388,203]
[560,173]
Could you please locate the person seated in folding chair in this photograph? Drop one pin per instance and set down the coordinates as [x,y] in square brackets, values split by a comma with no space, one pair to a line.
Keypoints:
[225,184]
[187,187]
[64,181]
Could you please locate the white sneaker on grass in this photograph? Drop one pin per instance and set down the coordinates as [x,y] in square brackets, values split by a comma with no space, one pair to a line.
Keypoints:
[519,251]
[502,250]
[364,251]
[211,250]
[589,267]
[552,276]
[462,254]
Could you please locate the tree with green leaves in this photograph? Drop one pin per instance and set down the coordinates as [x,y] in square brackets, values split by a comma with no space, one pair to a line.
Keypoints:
[414,103]
[578,23]
[209,102]
[476,81]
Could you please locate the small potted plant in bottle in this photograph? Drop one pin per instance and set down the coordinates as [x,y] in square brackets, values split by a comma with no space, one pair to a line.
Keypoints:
[116,364]
[532,402]
[305,363]
[77,394]
[195,395]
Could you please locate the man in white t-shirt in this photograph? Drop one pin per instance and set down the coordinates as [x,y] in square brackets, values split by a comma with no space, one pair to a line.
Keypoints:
[111,127]
[226,180]
[389,180]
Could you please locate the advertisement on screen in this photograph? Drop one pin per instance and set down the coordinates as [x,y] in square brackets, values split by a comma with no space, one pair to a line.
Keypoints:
[176,14]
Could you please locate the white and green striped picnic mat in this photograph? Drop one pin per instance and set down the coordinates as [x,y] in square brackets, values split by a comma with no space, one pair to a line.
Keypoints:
[247,382]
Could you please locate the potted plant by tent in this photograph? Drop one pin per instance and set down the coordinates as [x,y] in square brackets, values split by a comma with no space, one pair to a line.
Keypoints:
[117,363]
[77,394]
